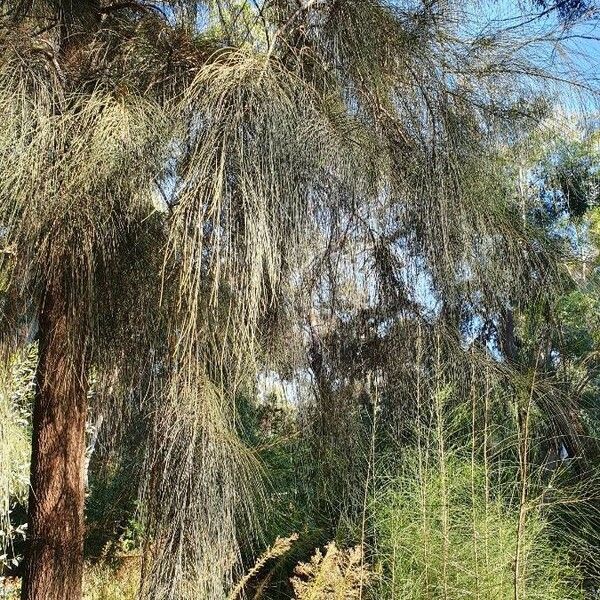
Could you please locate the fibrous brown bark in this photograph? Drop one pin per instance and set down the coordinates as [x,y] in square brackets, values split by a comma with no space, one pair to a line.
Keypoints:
[54,561]
[54,567]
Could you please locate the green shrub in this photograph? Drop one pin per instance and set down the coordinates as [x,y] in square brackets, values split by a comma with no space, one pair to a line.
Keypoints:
[443,535]
[16,394]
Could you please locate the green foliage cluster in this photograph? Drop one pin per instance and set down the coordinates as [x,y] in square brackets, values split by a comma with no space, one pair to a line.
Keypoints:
[16,394]
[441,537]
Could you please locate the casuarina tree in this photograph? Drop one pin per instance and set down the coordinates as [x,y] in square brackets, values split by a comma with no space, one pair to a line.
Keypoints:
[165,170]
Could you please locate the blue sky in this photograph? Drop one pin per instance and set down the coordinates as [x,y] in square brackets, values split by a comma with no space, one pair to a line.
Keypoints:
[580,38]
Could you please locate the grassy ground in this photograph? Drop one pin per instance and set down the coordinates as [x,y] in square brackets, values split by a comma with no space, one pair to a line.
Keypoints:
[115,581]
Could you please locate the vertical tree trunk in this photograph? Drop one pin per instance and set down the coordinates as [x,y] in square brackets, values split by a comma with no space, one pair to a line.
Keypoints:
[54,561]
[54,568]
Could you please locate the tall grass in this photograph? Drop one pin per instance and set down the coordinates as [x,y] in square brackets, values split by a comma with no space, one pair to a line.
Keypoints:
[442,538]
[119,581]
[460,522]
[116,580]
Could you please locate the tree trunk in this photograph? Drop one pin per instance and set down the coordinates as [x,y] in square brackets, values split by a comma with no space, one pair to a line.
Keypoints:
[54,568]
[54,561]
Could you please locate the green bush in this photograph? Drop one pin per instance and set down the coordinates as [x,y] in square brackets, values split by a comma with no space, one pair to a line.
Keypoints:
[443,535]
[16,394]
